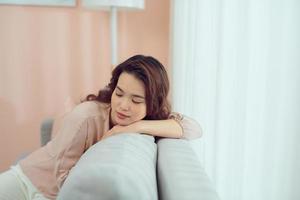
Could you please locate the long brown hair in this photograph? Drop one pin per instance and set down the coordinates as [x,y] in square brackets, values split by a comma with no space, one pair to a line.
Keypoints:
[154,76]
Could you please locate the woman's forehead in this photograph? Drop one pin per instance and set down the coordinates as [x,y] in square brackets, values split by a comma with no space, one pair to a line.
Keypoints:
[128,83]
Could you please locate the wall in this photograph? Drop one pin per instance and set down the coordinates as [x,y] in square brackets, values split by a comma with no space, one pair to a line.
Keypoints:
[51,57]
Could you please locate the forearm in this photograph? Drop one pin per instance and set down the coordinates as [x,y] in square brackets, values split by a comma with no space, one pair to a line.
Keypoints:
[162,128]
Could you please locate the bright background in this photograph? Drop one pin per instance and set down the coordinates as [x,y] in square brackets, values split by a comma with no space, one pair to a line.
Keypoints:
[237,69]
[51,57]
[234,67]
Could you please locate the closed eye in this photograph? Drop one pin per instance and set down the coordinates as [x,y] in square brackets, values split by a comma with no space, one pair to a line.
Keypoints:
[119,95]
[136,102]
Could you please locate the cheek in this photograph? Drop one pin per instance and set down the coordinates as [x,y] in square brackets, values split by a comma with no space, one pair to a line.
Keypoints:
[140,112]
[113,102]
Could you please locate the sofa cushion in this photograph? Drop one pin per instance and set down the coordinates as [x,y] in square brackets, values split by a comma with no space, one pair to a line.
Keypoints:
[180,174]
[122,166]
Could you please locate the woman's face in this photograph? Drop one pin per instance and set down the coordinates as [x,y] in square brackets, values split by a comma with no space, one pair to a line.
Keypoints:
[128,101]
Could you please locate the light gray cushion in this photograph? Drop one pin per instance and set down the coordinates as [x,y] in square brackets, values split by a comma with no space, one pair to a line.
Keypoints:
[120,167]
[46,131]
[180,174]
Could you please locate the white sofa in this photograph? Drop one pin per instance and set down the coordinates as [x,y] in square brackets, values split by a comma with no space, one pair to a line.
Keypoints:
[134,166]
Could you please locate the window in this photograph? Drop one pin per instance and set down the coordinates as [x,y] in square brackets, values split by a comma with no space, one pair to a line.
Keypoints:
[40,3]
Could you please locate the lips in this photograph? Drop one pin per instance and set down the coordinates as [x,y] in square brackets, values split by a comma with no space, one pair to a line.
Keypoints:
[121,115]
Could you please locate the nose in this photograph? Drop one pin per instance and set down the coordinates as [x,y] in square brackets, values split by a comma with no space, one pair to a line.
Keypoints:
[125,104]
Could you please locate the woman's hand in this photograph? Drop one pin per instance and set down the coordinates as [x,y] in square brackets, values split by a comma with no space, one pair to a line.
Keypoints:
[132,128]
[113,131]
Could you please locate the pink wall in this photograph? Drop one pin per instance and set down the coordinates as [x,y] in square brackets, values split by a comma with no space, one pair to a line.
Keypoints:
[51,57]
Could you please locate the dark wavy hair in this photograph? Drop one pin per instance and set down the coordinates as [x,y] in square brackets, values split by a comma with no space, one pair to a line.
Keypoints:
[154,76]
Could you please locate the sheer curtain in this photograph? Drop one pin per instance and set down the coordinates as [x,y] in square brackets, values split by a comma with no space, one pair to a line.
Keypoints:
[236,69]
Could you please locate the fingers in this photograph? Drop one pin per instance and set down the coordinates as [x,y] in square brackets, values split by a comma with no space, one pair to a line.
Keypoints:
[113,131]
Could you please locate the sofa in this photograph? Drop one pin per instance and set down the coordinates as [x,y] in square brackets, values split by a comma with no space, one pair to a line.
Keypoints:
[134,166]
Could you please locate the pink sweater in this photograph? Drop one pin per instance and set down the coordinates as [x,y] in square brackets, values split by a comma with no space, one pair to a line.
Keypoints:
[48,167]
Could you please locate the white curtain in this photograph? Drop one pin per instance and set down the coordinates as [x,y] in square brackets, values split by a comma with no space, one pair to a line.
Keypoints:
[236,69]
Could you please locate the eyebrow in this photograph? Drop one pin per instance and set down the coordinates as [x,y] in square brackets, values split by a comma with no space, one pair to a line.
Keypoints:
[135,95]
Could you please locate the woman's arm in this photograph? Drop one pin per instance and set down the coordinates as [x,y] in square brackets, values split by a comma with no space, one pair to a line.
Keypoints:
[177,126]
[191,128]
[74,136]
[162,128]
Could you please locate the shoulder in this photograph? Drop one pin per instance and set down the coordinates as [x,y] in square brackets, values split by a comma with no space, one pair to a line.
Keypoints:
[91,108]
[82,112]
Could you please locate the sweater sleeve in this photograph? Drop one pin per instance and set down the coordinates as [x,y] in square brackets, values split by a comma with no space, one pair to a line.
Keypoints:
[72,140]
[191,129]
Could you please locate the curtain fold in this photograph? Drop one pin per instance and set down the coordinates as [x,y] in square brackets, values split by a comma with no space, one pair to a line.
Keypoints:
[236,69]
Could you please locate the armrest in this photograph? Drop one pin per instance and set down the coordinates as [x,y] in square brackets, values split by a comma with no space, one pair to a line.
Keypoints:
[119,167]
[46,131]
[180,174]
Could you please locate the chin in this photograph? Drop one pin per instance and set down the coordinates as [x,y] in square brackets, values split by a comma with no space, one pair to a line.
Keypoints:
[121,122]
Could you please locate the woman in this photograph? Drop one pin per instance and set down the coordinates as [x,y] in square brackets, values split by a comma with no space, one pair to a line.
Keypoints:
[135,100]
